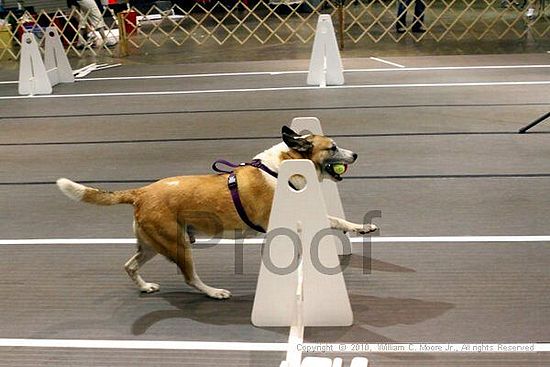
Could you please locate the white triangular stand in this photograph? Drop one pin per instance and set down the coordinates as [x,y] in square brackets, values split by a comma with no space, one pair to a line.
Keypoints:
[325,66]
[37,76]
[328,187]
[56,61]
[325,297]
[33,77]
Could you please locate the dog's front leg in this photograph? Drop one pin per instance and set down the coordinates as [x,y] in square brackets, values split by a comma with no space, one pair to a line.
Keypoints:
[344,225]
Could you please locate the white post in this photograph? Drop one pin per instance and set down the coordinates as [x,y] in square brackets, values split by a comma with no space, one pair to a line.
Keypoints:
[328,187]
[325,66]
[33,77]
[56,61]
[325,297]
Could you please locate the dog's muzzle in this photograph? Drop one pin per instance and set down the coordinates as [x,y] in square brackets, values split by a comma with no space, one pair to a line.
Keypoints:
[336,170]
[337,167]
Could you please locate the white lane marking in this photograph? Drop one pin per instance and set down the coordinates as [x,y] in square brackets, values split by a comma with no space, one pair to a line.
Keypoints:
[271,73]
[199,75]
[277,89]
[367,70]
[452,68]
[141,344]
[259,241]
[456,239]
[71,241]
[386,62]
[267,347]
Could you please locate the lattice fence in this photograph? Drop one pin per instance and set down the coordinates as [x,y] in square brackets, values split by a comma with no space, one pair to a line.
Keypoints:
[246,21]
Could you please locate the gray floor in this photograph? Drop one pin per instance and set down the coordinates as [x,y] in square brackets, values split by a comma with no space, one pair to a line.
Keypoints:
[435,161]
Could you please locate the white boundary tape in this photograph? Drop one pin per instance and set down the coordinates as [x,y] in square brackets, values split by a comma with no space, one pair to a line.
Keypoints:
[142,344]
[282,89]
[290,72]
[259,241]
[279,347]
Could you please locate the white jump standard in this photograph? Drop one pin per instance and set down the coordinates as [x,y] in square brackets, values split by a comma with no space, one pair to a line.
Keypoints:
[325,298]
[329,188]
[325,66]
[300,271]
[37,76]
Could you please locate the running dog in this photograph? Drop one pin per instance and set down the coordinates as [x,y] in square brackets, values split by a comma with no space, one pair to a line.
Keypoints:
[169,212]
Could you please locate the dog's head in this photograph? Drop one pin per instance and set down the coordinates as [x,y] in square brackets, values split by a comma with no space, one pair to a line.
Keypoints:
[321,150]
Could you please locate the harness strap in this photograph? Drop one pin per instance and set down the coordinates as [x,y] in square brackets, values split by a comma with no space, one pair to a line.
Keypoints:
[226,163]
[255,163]
[234,189]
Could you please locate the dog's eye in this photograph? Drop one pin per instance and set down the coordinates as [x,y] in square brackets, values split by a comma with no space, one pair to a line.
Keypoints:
[333,148]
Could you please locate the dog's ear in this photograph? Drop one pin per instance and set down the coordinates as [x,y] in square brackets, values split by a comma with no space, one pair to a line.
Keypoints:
[288,131]
[295,141]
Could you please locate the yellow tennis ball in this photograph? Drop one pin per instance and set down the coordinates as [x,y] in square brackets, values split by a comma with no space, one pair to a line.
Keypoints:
[339,168]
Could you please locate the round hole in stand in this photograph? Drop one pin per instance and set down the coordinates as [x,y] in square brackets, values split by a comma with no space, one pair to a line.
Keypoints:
[51,33]
[297,183]
[28,41]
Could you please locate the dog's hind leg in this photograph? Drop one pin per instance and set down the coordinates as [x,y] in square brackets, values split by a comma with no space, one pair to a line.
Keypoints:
[144,253]
[187,267]
[174,243]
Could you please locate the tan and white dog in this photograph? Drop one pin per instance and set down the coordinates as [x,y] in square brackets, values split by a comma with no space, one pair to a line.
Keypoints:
[169,212]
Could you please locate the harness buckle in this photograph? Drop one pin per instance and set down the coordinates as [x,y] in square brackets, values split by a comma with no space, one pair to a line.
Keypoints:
[232,181]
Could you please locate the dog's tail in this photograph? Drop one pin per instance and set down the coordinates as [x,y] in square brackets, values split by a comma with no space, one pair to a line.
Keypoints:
[87,194]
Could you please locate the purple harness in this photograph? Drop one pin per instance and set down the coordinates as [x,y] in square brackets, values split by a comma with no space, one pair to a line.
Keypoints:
[234,188]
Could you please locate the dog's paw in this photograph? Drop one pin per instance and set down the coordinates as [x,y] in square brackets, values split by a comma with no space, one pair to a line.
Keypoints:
[367,228]
[150,288]
[219,293]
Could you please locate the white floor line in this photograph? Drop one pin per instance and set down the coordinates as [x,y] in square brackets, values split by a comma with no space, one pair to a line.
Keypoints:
[199,75]
[339,348]
[399,68]
[386,62]
[450,68]
[365,70]
[142,344]
[280,89]
[454,239]
[259,241]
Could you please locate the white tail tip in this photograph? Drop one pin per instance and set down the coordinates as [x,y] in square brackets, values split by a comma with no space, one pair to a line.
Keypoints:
[71,189]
